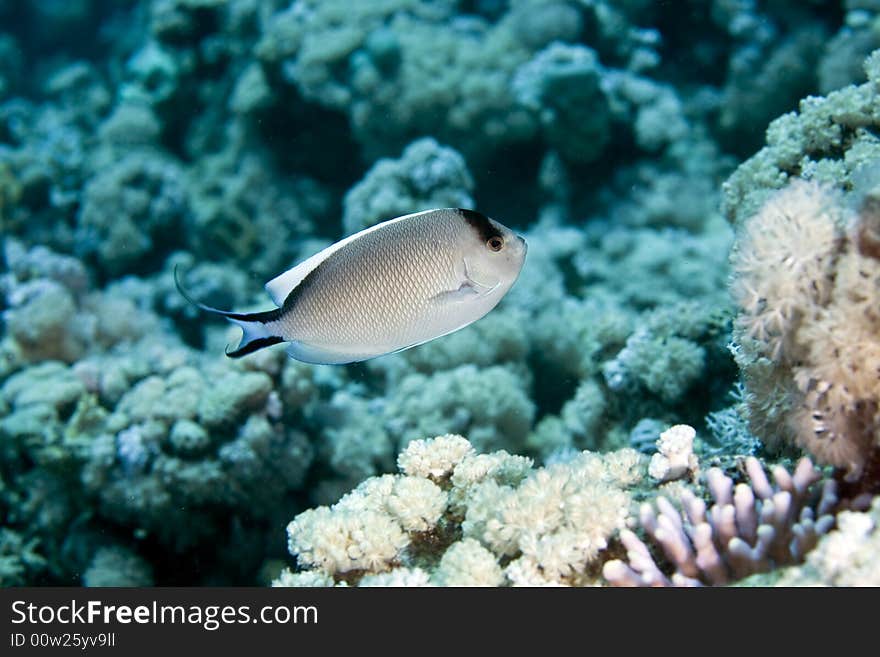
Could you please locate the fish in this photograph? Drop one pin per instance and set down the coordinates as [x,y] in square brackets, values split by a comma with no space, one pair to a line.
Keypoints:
[392,286]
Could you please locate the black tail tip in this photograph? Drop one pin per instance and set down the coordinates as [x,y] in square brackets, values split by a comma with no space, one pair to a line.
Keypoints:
[254,345]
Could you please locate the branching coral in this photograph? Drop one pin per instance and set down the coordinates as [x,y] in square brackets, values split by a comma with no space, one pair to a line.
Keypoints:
[830,140]
[367,529]
[846,556]
[470,519]
[748,529]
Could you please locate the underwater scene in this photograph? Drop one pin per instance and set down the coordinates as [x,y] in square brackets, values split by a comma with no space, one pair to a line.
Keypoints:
[440,292]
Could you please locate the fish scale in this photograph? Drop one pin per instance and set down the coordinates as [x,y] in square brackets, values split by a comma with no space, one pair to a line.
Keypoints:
[374,291]
[387,288]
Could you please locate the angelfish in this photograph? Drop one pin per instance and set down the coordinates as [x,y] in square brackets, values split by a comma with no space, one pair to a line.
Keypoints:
[389,287]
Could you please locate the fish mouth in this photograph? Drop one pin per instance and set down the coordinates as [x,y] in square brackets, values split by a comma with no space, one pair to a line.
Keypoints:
[523,243]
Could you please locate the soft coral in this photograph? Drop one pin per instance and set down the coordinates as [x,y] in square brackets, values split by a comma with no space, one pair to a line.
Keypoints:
[807,281]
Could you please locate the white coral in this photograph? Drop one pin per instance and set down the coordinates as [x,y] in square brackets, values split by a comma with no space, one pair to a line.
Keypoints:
[467,563]
[552,522]
[434,458]
[846,556]
[307,579]
[675,457]
[397,578]
[526,572]
[342,541]
[416,504]
[368,528]
[560,517]
[623,468]
[500,467]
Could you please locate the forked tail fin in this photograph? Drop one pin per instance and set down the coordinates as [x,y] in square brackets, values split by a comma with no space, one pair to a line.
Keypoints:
[256,331]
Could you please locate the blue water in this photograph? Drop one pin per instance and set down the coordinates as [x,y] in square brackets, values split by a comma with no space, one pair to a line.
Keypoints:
[232,139]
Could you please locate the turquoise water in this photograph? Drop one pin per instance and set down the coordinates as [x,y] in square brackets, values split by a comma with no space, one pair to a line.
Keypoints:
[634,144]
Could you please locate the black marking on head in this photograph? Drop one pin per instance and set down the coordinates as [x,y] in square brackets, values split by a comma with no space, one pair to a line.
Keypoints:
[254,345]
[481,223]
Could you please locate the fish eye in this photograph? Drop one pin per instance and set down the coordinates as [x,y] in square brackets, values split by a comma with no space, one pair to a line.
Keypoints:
[495,243]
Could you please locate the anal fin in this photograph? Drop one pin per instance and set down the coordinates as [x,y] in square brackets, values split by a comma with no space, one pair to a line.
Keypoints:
[323,356]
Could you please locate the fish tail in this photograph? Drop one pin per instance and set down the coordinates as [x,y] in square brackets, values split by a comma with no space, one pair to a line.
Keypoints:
[257,328]
[255,336]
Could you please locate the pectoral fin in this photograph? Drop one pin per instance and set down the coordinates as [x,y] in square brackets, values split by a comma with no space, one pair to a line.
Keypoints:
[464,292]
[468,288]
[478,286]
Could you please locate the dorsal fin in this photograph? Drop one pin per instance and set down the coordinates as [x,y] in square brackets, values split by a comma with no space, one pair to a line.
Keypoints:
[280,287]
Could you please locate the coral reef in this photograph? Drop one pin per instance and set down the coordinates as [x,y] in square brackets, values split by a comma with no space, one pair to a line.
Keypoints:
[574,71]
[117,567]
[750,528]
[841,61]
[829,140]
[228,140]
[675,456]
[140,431]
[455,517]
[807,331]
[845,556]
[426,176]
[127,206]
